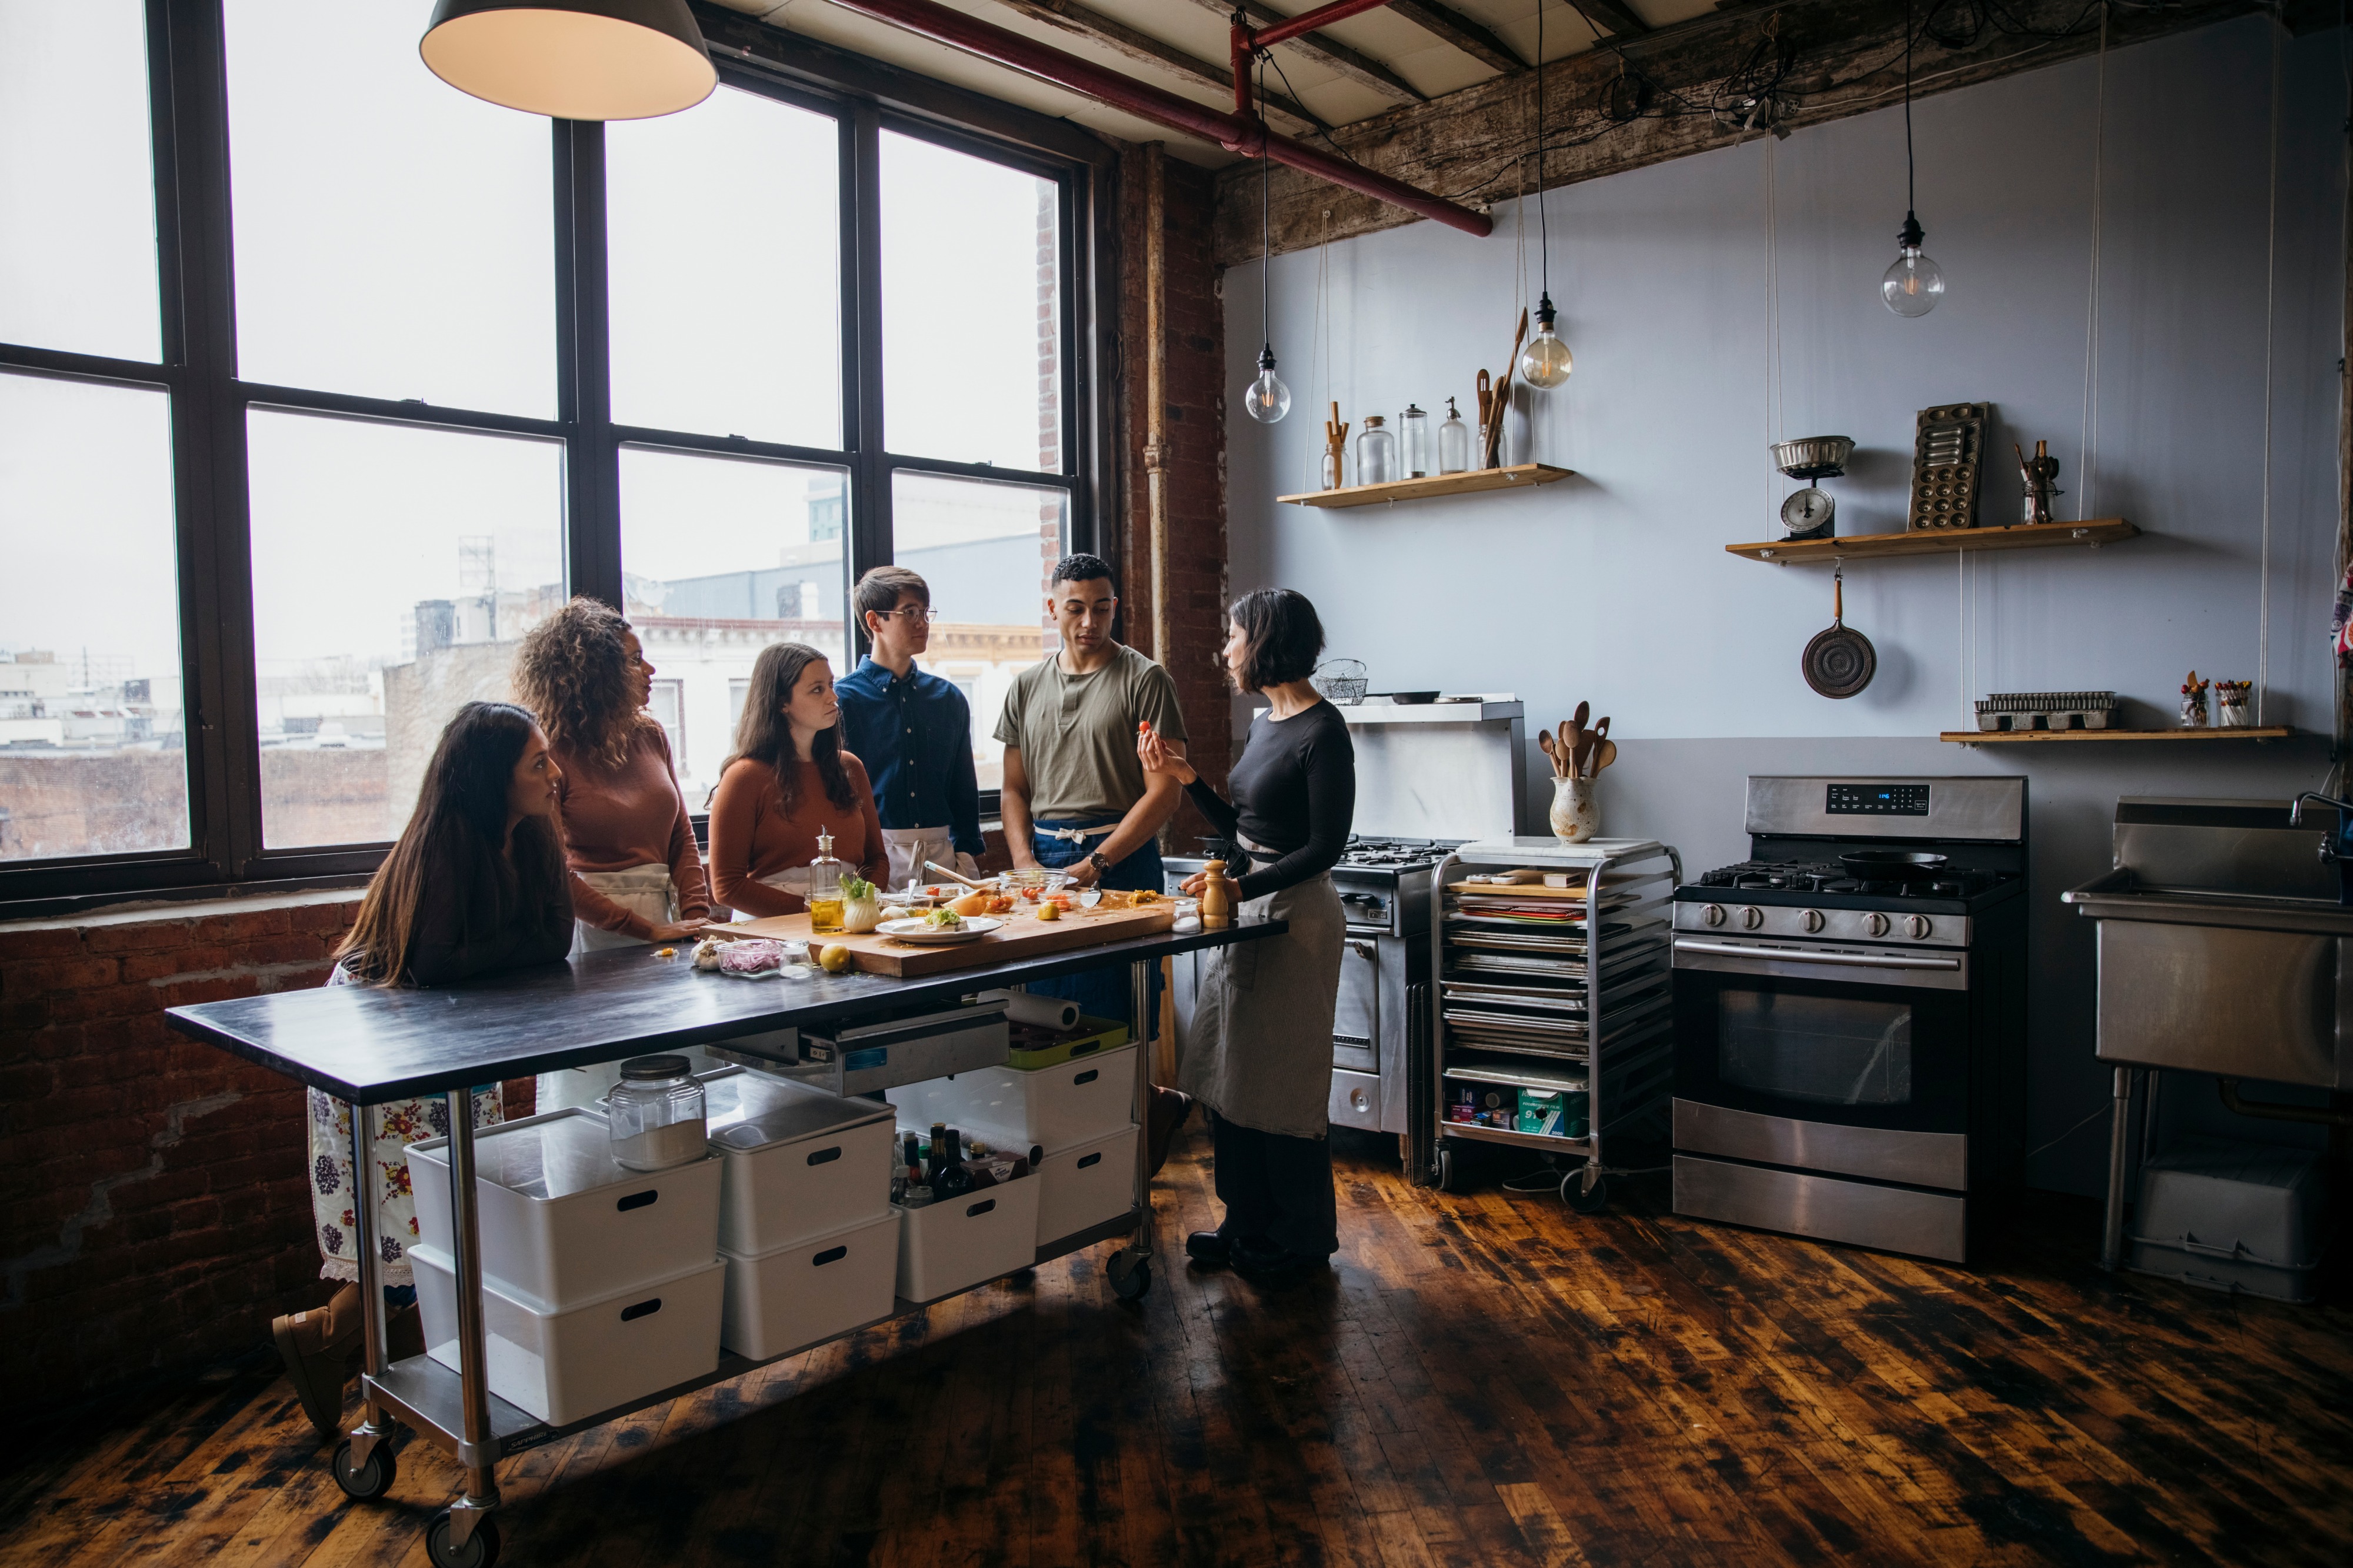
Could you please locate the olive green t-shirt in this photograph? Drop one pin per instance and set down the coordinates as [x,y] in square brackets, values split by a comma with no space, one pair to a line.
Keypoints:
[1076,734]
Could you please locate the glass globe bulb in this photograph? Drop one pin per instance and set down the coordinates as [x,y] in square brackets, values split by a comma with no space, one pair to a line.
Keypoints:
[1268,399]
[1913,284]
[1546,363]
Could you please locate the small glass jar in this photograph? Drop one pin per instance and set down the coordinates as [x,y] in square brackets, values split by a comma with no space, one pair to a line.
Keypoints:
[1453,442]
[1377,453]
[655,1115]
[825,874]
[1413,443]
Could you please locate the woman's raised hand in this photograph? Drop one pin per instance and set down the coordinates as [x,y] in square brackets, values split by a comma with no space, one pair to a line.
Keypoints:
[1158,758]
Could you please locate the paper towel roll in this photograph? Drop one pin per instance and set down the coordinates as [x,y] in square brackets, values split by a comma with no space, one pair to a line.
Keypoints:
[1042,1012]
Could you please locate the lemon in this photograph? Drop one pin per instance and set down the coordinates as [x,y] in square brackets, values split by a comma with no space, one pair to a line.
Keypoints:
[834,959]
[1049,912]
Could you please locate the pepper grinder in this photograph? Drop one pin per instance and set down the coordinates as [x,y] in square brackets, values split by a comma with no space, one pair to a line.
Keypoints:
[1217,897]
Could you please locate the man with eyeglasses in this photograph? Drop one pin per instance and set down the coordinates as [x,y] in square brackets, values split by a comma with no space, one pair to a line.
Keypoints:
[911,729]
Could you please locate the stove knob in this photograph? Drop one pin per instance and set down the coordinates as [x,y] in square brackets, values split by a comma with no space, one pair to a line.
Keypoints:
[1875,924]
[1713,915]
[1752,917]
[1917,926]
[1813,920]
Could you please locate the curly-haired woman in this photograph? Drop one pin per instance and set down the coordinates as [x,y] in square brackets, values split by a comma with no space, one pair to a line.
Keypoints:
[788,780]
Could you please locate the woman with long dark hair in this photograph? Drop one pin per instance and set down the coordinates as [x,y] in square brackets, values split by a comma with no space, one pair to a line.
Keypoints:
[636,876]
[474,885]
[788,780]
[1260,1052]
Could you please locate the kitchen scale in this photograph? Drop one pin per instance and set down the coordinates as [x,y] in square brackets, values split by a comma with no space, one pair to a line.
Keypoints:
[1811,513]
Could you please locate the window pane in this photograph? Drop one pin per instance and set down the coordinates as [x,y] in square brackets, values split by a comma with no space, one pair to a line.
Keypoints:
[741,191]
[984,549]
[92,746]
[972,363]
[76,179]
[394,568]
[719,559]
[394,237]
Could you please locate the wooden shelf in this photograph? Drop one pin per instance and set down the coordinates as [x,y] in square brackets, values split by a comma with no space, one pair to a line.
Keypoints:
[2015,737]
[2093,532]
[1520,476]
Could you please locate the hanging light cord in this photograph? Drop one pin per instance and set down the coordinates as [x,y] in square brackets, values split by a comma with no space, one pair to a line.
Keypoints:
[1911,181]
[2271,289]
[1265,229]
[1543,230]
[2090,434]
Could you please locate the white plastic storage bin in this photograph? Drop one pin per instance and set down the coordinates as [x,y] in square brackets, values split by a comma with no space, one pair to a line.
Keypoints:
[587,1359]
[1086,1185]
[783,1300]
[953,1245]
[2231,1216]
[562,1222]
[796,1163]
[1051,1108]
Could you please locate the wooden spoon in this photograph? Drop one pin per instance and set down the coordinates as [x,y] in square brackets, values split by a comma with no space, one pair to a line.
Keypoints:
[1544,739]
[1603,755]
[958,876]
[1595,739]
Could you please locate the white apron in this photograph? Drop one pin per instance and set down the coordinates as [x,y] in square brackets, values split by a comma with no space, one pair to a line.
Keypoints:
[1259,1050]
[646,892]
[911,846]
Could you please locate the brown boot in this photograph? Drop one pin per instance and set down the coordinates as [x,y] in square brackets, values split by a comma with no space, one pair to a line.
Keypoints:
[1169,1111]
[318,1347]
[405,1334]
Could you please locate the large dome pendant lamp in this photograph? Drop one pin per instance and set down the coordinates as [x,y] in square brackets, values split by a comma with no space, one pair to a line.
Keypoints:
[571,59]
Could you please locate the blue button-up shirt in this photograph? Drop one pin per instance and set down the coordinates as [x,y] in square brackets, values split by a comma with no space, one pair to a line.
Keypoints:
[913,733]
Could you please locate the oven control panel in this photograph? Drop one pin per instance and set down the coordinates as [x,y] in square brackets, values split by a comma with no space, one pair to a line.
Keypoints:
[1877,800]
[1731,918]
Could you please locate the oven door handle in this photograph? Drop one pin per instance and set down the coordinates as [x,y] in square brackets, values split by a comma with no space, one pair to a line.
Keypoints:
[1365,950]
[1787,955]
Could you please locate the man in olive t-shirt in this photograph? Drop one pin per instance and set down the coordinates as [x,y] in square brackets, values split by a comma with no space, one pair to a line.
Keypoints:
[1076,796]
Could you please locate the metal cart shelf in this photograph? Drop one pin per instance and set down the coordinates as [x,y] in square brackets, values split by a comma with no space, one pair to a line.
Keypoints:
[369,1047]
[1583,1006]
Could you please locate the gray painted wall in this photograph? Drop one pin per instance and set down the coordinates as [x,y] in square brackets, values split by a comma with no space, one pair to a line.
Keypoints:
[1614,585]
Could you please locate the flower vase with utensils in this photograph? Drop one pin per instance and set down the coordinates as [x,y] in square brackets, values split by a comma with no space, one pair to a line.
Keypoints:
[1578,755]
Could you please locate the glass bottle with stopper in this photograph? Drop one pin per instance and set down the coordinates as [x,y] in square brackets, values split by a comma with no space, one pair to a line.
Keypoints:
[825,874]
[1453,442]
[1377,453]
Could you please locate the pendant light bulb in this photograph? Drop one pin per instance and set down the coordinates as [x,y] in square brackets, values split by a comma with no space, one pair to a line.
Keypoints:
[571,59]
[1914,284]
[1268,399]
[1546,363]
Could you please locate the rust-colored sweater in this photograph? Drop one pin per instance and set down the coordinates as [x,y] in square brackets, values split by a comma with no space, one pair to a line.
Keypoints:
[615,819]
[751,834]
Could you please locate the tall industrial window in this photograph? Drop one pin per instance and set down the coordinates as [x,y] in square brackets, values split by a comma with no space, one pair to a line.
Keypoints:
[322,383]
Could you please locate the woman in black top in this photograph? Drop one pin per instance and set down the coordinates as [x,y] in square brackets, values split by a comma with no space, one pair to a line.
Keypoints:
[476,885]
[1259,1051]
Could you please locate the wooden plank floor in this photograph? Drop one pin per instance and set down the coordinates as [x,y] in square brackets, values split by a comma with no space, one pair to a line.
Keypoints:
[1485,1378]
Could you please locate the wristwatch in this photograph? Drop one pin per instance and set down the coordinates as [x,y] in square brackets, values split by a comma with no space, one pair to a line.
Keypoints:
[1101,865]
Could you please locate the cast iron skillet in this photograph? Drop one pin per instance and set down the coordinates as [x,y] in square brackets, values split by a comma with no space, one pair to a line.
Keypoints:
[1840,661]
[1893,865]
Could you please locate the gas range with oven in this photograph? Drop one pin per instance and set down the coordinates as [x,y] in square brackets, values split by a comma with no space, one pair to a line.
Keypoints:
[1850,1012]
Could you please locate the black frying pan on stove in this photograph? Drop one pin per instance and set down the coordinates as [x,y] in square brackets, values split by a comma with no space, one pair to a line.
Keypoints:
[1893,865]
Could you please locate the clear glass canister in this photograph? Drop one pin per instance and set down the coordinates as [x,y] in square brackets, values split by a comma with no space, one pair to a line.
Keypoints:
[656,1115]
[1377,453]
[1453,442]
[1413,443]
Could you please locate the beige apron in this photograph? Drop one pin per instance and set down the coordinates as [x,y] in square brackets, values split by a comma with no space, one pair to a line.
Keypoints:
[1259,1050]
[911,846]
[646,892]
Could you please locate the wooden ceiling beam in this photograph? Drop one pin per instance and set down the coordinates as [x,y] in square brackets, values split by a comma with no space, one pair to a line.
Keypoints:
[1462,32]
[1467,146]
[1086,22]
[1330,53]
[1613,18]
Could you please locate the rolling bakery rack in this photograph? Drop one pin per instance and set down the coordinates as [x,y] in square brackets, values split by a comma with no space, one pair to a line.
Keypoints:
[368,1046]
[1559,989]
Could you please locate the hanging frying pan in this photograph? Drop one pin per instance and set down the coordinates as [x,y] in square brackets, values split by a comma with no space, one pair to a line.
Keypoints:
[1840,661]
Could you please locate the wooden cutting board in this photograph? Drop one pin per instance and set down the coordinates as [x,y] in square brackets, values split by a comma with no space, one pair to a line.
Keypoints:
[1023,935]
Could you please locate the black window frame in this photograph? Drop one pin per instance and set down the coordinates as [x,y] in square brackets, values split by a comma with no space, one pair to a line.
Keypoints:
[189,114]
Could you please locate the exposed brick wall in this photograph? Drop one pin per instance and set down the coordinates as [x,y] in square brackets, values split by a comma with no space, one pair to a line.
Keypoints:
[152,1206]
[1195,430]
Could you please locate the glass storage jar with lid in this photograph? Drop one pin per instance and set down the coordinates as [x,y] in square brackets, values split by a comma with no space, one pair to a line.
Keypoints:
[1377,453]
[656,1116]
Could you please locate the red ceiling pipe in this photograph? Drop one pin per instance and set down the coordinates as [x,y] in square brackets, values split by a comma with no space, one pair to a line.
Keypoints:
[1308,21]
[1234,133]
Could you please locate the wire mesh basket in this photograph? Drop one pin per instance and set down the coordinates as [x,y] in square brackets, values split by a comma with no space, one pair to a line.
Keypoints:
[1340,680]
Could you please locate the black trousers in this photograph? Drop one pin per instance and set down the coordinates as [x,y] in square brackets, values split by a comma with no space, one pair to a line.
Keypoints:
[1275,1188]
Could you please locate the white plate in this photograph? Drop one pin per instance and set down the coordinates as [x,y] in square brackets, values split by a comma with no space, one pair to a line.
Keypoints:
[923,933]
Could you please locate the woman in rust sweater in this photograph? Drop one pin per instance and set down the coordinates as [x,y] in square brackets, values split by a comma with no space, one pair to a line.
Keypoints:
[788,780]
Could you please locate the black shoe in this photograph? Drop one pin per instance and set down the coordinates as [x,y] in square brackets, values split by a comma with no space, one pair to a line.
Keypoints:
[1272,1267]
[1209,1248]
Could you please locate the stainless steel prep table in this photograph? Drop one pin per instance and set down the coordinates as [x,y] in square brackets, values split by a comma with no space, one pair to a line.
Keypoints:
[368,1046]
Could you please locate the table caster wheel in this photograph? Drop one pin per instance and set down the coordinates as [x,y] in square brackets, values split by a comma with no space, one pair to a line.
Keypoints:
[365,1482]
[1573,1192]
[1130,1277]
[481,1548]
[1446,1170]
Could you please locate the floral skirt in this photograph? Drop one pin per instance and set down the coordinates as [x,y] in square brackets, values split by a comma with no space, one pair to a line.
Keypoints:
[335,1199]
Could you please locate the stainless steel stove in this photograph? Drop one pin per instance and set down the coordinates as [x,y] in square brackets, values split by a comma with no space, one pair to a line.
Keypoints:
[1850,1012]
